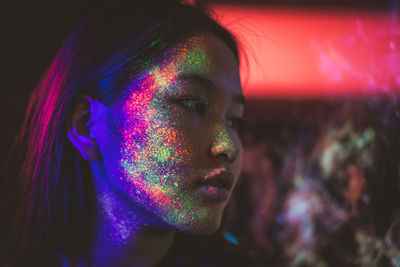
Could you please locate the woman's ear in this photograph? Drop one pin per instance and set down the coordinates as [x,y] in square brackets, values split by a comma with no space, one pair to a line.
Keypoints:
[84,115]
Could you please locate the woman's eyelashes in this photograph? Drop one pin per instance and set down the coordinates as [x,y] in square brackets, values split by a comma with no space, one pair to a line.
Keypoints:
[199,106]
[235,123]
[194,104]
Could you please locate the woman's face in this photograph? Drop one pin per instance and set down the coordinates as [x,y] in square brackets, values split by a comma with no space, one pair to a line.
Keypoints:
[171,146]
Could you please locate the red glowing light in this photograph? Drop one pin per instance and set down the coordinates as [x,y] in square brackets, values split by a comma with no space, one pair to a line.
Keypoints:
[310,53]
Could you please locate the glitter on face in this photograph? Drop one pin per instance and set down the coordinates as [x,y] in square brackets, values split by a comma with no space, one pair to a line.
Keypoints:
[225,143]
[156,154]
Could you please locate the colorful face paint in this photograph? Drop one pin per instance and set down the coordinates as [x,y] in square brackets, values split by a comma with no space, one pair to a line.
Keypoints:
[163,140]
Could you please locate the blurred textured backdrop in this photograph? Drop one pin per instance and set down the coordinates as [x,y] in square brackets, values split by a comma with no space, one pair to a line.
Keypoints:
[320,181]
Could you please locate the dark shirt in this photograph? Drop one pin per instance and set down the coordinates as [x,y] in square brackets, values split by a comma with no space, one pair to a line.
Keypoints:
[202,251]
[195,251]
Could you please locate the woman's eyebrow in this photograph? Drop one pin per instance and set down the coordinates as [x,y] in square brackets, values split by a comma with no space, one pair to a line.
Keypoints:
[208,85]
[199,79]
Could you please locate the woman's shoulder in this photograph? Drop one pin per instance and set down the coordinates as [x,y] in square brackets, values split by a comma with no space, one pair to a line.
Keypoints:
[199,251]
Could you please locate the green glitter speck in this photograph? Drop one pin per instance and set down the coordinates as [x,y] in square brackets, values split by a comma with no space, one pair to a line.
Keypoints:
[154,43]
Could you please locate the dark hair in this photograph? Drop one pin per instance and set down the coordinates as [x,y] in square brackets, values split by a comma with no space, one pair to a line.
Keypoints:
[112,45]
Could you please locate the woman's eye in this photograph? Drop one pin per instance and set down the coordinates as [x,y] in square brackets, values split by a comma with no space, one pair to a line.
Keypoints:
[195,105]
[235,123]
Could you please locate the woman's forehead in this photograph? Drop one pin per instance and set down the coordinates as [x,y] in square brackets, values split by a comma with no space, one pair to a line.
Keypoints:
[192,54]
[203,54]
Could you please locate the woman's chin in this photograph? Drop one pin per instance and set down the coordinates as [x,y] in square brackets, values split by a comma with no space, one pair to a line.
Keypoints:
[197,217]
[202,225]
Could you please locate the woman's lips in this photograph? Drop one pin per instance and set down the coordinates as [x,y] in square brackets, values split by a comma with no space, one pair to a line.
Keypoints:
[214,192]
[217,184]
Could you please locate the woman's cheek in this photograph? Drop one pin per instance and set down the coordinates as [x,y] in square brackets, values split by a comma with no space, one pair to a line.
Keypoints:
[155,156]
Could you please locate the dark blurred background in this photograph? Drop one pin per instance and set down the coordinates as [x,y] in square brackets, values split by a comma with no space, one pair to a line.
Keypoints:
[320,182]
[32,31]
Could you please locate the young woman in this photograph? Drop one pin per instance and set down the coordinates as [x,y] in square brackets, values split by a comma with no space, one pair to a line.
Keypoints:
[130,143]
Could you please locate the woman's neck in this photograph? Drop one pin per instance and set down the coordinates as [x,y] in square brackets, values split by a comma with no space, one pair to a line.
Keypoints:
[125,235]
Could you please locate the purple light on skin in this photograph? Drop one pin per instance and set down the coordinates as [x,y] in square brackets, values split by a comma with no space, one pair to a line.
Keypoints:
[157,146]
[155,153]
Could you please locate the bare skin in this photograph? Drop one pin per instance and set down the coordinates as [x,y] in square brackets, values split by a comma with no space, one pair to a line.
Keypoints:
[139,242]
[139,212]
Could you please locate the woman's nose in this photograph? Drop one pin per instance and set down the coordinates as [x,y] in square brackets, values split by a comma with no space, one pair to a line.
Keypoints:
[224,147]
